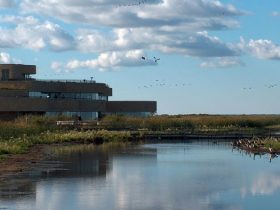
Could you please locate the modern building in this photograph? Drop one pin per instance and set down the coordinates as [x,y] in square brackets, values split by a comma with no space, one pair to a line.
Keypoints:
[20,94]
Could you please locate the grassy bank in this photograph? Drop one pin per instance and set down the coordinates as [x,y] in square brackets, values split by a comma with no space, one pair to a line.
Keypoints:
[18,136]
[22,144]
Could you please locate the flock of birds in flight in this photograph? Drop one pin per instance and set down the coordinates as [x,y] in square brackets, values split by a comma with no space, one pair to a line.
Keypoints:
[269,86]
[163,83]
[144,2]
[131,4]
[155,59]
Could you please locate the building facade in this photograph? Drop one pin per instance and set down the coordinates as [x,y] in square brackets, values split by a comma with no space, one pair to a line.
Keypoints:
[20,95]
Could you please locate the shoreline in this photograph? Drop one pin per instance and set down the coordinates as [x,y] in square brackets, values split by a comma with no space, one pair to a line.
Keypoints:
[12,164]
[17,163]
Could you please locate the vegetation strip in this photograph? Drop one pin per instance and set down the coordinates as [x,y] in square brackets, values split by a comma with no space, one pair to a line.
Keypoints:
[18,136]
[259,145]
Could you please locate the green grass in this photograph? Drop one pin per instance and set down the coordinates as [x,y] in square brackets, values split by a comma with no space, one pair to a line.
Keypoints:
[274,143]
[18,136]
[22,144]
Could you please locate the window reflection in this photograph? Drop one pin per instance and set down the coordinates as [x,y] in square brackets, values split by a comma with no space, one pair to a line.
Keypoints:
[61,95]
[80,115]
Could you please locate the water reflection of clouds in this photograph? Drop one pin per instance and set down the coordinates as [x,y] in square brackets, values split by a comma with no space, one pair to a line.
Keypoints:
[132,186]
[142,180]
[264,184]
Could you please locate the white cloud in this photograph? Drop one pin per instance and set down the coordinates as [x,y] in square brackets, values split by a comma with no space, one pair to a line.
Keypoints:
[30,34]
[5,58]
[167,26]
[119,14]
[28,20]
[222,62]
[263,49]
[203,45]
[107,61]
[198,44]
[7,3]
[57,66]
[112,29]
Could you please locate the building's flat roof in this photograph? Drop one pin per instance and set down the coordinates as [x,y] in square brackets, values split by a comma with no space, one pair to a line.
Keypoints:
[71,81]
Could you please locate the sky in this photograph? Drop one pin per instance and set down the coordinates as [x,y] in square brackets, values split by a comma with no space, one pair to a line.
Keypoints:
[191,56]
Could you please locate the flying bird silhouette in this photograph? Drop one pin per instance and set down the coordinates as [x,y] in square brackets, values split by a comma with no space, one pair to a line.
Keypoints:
[156,59]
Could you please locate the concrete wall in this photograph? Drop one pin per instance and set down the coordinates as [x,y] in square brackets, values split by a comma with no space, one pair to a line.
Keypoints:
[56,86]
[131,106]
[24,104]
[13,93]
[17,71]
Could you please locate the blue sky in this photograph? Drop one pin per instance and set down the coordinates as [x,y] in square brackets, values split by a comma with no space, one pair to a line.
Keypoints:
[216,57]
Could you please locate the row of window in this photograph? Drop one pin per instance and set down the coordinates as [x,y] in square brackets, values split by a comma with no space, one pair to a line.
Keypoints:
[78,115]
[86,96]
[132,114]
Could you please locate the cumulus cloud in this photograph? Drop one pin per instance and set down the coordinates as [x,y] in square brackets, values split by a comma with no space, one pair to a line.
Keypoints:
[5,58]
[167,26]
[222,62]
[7,3]
[198,44]
[261,48]
[113,29]
[31,34]
[117,27]
[122,47]
[107,61]
[127,13]
[203,45]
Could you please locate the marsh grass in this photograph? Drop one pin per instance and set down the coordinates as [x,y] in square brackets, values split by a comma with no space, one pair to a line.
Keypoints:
[274,143]
[18,136]
[192,122]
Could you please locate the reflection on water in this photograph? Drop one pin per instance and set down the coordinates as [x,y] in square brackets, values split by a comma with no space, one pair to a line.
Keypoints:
[197,175]
[266,184]
[255,155]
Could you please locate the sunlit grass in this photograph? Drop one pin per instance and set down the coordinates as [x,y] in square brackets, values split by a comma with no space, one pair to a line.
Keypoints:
[19,135]
[193,122]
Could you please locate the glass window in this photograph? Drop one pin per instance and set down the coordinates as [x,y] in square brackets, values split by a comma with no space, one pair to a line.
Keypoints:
[78,115]
[61,95]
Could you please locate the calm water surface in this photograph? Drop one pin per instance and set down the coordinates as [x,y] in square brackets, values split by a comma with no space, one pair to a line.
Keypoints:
[197,175]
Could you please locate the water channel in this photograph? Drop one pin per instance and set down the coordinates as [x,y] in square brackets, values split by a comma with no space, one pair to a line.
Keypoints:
[166,176]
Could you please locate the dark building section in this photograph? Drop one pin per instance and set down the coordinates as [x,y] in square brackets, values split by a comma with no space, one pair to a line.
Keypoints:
[16,71]
[20,95]
[131,108]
